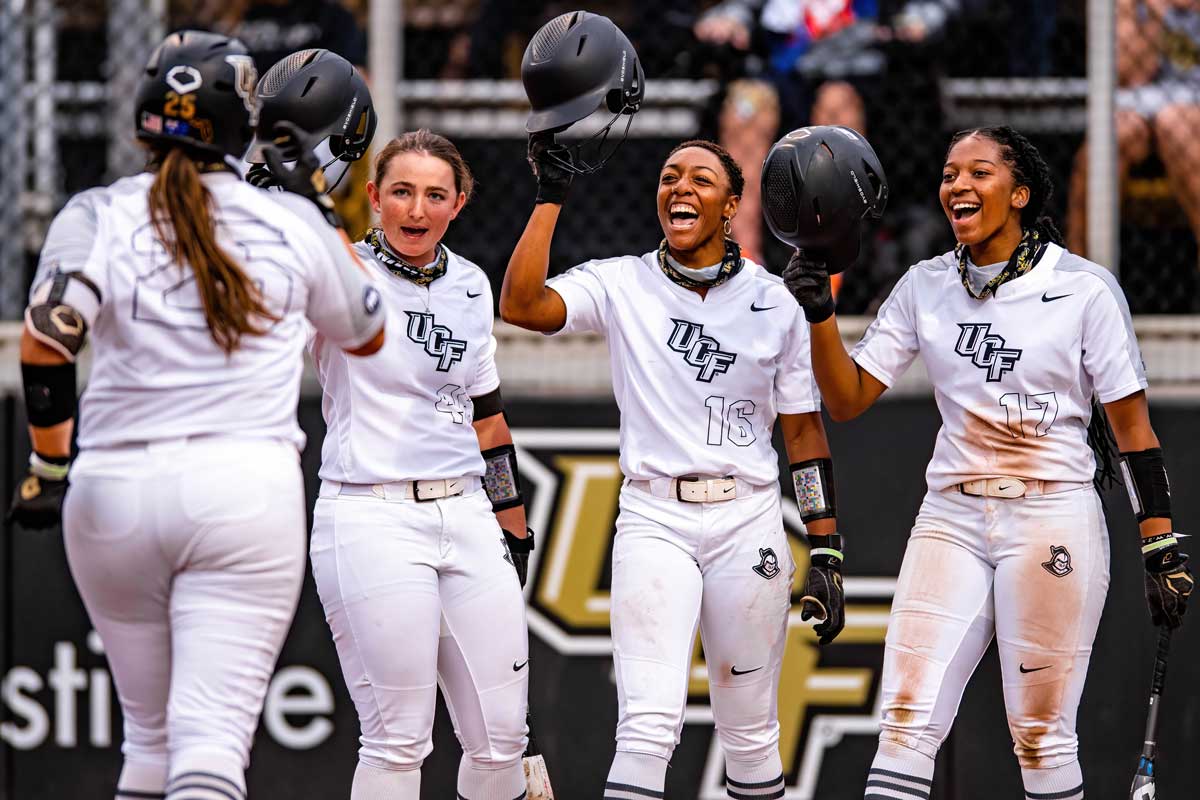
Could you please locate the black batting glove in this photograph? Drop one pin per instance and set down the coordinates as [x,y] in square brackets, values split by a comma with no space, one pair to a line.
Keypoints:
[260,175]
[1169,583]
[518,553]
[808,281]
[305,177]
[548,160]
[823,597]
[37,501]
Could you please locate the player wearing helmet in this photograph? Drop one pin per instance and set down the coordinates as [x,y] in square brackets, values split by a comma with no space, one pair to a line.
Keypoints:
[184,520]
[1020,339]
[707,350]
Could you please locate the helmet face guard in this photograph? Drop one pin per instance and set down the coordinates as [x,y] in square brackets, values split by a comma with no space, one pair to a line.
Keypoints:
[576,64]
[823,190]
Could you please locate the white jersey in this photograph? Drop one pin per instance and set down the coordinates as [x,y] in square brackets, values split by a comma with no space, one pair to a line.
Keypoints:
[156,371]
[698,381]
[1014,374]
[406,413]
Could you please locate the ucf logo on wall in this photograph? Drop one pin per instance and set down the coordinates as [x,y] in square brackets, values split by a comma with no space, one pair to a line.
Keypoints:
[824,696]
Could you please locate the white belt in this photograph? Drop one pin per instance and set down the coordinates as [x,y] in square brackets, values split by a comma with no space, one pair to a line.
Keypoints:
[697,490]
[1015,487]
[420,491]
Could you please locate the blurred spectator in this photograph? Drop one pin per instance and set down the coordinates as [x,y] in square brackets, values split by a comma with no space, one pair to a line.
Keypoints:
[858,46]
[272,29]
[1158,105]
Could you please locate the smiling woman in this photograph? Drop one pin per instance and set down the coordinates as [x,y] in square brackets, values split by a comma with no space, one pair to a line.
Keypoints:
[1011,539]
[707,349]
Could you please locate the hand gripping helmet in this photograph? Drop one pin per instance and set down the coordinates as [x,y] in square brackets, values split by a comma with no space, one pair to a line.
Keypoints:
[575,64]
[198,92]
[323,94]
[823,189]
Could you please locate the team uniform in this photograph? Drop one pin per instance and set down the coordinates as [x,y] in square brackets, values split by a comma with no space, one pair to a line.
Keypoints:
[699,383]
[420,594]
[1011,538]
[184,520]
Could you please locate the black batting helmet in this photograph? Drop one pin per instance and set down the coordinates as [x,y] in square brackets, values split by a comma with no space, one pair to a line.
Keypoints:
[198,92]
[823,188]
[576,63]
[324,95]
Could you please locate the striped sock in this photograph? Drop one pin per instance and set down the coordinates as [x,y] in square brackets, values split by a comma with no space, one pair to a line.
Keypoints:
[1056,783]
[754,780]
[491,782]
[199,785]
[899,773]
[636,776]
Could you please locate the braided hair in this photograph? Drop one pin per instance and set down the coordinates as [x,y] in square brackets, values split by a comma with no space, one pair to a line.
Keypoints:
[1028,168]
[737,181]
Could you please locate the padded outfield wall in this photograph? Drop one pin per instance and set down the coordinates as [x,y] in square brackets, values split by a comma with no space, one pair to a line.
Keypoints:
[61,726]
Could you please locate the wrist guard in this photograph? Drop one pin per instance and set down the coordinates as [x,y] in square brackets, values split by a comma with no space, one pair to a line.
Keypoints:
[813,482]
[826,551]
[501,480]
[1145,478]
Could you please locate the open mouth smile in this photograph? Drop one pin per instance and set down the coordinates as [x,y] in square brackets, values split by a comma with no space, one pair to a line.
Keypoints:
[683,216]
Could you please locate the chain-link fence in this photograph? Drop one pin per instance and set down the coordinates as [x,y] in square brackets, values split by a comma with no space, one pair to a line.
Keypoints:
[908,73]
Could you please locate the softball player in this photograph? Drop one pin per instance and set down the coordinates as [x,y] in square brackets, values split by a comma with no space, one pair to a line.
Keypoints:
[706,349]
[410,559]
[1017,335]
[184,522]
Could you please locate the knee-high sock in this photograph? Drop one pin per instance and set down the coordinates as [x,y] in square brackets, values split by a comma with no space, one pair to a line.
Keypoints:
[636,776]
[373,783]
[899,773]
[489,781]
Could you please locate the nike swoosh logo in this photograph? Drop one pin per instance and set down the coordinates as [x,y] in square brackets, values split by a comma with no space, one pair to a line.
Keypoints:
[1048,299]
[764,308]
[473,295]
[1034,669]
[727,491]
[737,671]
[1001,488]
[517,667]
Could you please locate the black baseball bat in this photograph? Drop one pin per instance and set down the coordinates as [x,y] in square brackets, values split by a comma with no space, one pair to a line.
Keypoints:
[1143,779]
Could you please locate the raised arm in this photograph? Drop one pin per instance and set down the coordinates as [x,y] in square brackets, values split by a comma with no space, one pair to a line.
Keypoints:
[847,389]
[525,300]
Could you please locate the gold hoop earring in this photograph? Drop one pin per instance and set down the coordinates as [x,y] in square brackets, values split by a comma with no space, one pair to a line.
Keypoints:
[728,227]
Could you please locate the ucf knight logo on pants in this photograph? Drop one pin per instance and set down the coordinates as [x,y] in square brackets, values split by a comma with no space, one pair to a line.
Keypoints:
[703,352]
[986,350]
[439,340]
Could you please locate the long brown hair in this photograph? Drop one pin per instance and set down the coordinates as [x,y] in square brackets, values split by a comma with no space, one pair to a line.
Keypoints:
[181,210]
[425,141]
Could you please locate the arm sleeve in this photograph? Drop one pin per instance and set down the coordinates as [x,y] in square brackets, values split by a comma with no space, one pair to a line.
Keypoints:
[796,389]
[1110,350]
[344,304]
[71,245]
[583,292]
[890,344]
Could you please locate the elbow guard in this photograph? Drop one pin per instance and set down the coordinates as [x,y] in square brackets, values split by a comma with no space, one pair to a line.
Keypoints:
[61,310]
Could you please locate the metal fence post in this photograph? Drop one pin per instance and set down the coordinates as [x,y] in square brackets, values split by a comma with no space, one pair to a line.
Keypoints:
[1104,223]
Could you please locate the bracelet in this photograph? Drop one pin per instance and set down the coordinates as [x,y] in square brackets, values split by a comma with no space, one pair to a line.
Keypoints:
[48,469]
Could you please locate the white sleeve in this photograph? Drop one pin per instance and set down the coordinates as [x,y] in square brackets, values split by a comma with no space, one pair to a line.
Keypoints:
[795,385]
[487,378]
[890,344]
[344,305]
[583,292]
[71,246]
[1110,350]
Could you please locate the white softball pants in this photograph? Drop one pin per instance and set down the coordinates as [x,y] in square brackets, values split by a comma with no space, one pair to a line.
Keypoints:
[1032,571]
[419,595]
[678,566]
[189,556]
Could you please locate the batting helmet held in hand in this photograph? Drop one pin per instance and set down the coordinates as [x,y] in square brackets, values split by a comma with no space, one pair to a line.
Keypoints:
[823,190]
[576,63]
[198,92]
[321,93]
